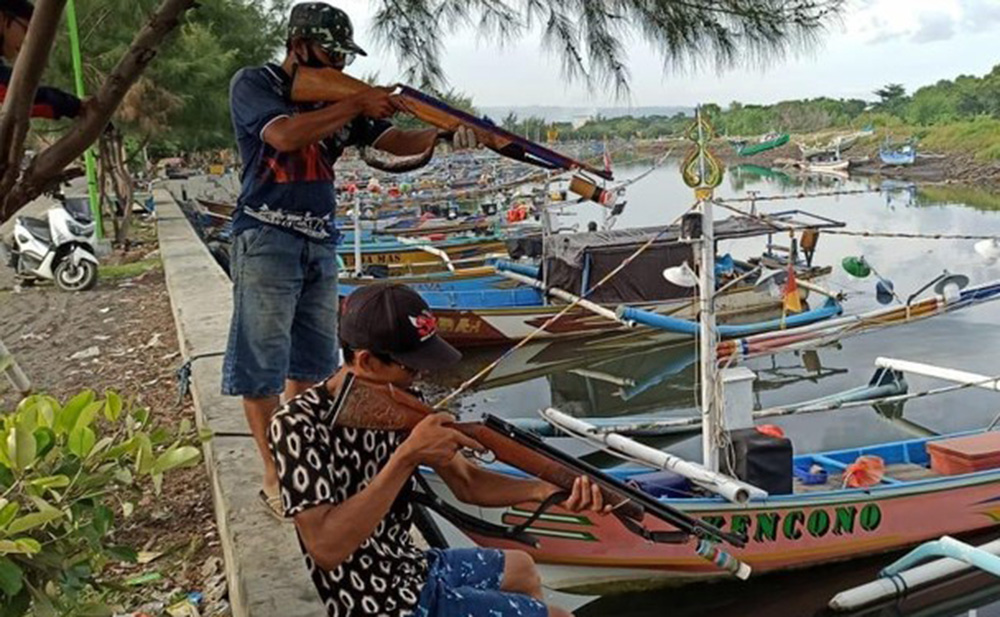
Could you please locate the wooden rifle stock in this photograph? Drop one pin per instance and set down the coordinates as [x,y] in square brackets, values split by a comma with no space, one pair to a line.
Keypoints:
[313,85]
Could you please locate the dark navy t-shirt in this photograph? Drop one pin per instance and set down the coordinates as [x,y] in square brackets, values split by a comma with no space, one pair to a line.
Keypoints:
[51,103]
[292,190]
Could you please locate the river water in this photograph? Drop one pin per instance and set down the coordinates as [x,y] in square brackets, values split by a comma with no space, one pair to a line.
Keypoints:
[587,380]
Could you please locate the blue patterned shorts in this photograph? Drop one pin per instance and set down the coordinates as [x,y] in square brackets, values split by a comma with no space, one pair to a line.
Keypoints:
[465,582]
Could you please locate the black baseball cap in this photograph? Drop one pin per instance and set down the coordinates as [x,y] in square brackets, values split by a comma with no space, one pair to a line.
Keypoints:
[392,319]
[21,9]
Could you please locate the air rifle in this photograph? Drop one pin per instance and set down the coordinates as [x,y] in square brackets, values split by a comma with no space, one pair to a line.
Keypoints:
[527,452]
[312,85]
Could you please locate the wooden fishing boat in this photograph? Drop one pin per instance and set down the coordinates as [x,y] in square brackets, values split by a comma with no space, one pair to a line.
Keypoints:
[216,210]
[767,142]
[436,227]
[818,522]
[476,277]
[899,155]
[492,316]
[827,166]
[836,145]
[421,257]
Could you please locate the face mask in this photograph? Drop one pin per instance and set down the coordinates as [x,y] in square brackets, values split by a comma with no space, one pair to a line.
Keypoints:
[311,61]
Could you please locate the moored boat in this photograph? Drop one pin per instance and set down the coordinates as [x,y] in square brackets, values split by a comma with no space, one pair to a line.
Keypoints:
[898,154]
[422,257]
[491,316]
[765,143]
[816,524]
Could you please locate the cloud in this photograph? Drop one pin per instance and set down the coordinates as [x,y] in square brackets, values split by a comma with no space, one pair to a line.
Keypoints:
[980,15]
[934,27]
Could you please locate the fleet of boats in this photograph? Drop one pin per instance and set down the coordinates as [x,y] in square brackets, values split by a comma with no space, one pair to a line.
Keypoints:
[628,312]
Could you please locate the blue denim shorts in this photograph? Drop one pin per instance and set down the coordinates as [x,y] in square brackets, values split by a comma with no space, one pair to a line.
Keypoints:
[284,312]
[466,581]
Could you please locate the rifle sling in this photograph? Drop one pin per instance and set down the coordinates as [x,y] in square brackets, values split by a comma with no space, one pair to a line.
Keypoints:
[657,537]
[517,533]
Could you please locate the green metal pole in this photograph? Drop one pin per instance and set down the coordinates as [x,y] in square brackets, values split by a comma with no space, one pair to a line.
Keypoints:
[88,156]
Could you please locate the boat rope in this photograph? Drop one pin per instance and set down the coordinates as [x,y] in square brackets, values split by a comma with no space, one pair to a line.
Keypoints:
[800,195]
[777,225]
[905,235]
[468,383]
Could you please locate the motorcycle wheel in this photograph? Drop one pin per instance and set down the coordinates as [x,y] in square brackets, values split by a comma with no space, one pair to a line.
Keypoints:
[75,278]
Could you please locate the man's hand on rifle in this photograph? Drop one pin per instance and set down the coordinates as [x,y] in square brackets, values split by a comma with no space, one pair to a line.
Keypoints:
[465,139]
[376,102]
[435,444]
[586,496]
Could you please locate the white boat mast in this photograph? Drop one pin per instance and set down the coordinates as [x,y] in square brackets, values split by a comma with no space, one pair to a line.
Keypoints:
[710,410]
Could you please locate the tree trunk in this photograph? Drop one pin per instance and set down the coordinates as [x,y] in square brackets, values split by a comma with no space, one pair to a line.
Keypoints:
[85,131]
[124,188]
[15,115]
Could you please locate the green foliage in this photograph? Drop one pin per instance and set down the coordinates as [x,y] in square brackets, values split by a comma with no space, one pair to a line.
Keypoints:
[181,103]
[979,136]
[68,472]
[951,115]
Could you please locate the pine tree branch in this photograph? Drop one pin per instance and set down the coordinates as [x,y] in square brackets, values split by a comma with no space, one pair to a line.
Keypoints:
[87,129]
[587,35]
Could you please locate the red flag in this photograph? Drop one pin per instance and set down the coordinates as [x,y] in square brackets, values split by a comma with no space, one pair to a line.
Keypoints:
[607,157]
[792,300]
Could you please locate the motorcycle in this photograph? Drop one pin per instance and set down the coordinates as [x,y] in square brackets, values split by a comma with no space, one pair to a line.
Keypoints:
[58,247]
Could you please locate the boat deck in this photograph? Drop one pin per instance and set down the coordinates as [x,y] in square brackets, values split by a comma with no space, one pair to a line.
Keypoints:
[894,473]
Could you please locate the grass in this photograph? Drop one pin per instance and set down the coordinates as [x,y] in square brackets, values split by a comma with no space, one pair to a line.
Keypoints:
[129,270]
[979,137]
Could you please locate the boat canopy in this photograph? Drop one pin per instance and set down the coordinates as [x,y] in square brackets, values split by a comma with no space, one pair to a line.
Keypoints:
[575,262]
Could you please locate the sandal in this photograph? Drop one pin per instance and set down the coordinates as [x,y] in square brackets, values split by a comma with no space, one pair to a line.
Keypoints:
[272,503]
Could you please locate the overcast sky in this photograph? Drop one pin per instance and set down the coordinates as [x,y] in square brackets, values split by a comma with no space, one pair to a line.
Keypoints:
[913,42]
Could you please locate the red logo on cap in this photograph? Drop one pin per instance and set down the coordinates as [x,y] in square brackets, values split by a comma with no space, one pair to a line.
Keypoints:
[426,325]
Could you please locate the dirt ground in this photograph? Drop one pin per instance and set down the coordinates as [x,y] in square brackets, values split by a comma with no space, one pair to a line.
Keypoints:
[126,325]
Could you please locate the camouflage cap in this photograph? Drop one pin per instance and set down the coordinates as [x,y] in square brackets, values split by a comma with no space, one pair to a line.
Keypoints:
[325,24]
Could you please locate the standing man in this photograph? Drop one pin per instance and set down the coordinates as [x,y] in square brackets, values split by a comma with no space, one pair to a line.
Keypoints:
[50,103]
[282,337]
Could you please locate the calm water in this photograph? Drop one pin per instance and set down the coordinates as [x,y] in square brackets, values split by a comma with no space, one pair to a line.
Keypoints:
[585,378]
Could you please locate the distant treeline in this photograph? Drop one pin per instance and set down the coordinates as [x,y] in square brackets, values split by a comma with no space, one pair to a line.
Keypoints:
[962,100]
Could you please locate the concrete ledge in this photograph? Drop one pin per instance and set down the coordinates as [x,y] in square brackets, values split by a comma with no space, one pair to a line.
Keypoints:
[266,572]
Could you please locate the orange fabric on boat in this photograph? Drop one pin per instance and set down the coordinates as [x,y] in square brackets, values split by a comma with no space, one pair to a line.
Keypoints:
[771,430]
[864,471]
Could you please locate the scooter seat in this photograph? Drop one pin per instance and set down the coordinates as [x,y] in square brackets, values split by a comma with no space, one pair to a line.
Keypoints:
[38,228]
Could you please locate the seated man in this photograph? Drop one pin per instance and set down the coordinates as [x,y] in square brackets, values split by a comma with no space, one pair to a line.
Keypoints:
[346,474]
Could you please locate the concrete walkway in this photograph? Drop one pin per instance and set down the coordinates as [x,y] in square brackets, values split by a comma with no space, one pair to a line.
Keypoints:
[267,575]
